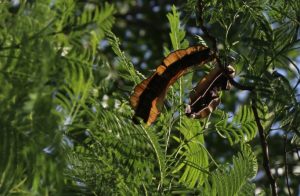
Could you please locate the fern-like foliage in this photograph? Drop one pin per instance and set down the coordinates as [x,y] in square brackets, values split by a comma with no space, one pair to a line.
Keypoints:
[125,64]
[111,156]
[177,35]
[192,155]
[234,180]
[242,127]
[46,54]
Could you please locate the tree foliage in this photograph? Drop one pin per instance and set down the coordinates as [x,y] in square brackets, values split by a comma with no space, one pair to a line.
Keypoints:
[67,69]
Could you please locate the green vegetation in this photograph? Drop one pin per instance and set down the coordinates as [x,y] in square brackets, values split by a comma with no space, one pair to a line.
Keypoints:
[67,69]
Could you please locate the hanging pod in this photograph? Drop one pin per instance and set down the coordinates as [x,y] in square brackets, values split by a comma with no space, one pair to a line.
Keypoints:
[148,96]
[204,98]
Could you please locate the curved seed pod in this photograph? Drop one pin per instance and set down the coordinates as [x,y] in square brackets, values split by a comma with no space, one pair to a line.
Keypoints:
[205,98]
[148,96]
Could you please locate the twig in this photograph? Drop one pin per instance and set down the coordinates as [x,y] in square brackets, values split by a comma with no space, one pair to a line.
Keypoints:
[297,152]
[286,166]
[265,150]
[203,28]
[238,85]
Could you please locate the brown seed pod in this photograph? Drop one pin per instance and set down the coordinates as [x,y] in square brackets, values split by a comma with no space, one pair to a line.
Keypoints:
[148,96]
[204,98]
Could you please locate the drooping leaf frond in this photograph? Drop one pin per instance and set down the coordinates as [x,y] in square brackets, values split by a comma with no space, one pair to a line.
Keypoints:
[192,155]
[242,127]
[117,150]
[126,65]
[234,180]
